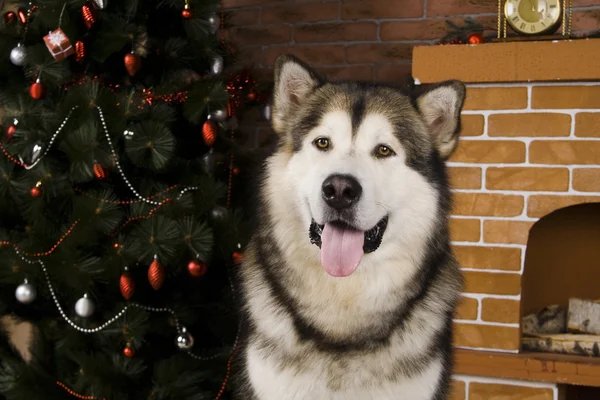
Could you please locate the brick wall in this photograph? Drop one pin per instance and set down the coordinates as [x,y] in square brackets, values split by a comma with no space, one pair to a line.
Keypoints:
[363,39]
[526,150]
[471,388]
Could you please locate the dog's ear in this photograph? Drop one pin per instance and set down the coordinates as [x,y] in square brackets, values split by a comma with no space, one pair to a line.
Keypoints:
[441,104]
[294,81]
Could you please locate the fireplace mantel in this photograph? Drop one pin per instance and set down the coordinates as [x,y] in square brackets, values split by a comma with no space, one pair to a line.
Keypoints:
[563,60]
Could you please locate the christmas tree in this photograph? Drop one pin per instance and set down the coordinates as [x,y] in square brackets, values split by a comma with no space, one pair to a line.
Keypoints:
[119,219]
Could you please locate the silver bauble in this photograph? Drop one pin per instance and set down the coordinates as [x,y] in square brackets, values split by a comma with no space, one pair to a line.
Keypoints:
[219,115]
[208,162]
[218,213]
[35,152]
[214,22]
[127,134]
[266,112]
[18,55]
[84,307]
[26,292]
[216,66]
[101,4]
[185,341]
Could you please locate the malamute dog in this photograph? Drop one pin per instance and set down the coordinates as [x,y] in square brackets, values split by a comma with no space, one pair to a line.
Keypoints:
[349,284]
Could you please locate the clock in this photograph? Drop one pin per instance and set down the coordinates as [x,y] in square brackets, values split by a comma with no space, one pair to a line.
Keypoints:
[533,17]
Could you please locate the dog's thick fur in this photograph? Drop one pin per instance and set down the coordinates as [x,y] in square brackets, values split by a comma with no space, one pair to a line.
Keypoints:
[384,332]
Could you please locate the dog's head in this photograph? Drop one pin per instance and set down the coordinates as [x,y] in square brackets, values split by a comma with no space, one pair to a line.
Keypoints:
[364,162]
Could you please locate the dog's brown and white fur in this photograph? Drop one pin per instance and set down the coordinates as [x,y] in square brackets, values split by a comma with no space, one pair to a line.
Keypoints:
[384,332]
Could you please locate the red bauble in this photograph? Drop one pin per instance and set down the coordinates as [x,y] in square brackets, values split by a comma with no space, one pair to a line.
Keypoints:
[128,352]
[35,192]
[251,96]
[197,269]
[133,63]
[475,38]
[187,14]
[37,90]
[10,17]
[22,16]
[156,274]
[79,51]
[237,257]
[89,15]
[127,286]
[99,171]
[236,170]
[209,132]
[10,132]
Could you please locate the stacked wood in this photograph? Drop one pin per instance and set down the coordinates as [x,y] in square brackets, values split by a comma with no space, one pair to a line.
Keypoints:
[566,343]
[551,319]
[584,316]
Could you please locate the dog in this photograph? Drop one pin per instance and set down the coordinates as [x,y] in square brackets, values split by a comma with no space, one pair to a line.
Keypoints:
[348,285]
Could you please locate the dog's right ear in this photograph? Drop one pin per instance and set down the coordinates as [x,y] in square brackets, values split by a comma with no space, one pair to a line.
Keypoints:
[294,81]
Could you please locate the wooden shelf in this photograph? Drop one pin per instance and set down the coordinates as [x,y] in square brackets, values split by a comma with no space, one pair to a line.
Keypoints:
[537,367]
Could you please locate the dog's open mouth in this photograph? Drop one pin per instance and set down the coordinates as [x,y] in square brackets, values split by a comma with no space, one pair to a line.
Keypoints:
[343,246]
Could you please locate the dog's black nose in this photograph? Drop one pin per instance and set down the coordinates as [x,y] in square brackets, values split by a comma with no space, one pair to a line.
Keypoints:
[341,191]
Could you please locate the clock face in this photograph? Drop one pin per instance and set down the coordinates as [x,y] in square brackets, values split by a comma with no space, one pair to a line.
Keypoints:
[533,17]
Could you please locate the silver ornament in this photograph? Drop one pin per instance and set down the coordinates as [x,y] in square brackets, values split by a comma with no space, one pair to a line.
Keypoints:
[128,134]
[266,112]
[219,115]
[18,55]
[208,162]
[35,153]
[214,22]
[26,292]
[218,213]
[185,341]
[101,4]
[84,307]
[216,66]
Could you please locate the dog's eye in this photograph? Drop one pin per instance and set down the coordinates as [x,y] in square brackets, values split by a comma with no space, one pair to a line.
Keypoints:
[322,143]
[383,151]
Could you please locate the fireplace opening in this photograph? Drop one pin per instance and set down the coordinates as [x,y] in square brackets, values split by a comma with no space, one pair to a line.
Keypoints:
[560,297]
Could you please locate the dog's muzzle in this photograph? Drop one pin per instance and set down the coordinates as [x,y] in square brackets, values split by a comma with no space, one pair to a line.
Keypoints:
[373,236]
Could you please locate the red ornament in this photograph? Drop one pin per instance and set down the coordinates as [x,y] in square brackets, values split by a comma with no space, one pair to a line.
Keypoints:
[133,63]
[128,352]
[37,90]
[236,170]
[10,17]
[58,44]
[35,192]
[197,269]
[475,38]
[99,171]
[22,16]
[251,96]
[156,274]
[209,132]
[127,285]
[10,132]
[187,13]
[237,257]
[79,51]
[89,15]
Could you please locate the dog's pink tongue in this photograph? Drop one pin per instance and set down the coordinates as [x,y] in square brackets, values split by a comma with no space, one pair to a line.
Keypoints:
[341,250]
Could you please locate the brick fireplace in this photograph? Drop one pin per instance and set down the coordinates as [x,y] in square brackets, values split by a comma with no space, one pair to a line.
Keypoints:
[530,145]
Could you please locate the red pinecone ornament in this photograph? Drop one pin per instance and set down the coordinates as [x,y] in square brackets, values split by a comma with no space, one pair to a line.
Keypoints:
[89,15]
[209,132]
[37,90]
[99,171]
[127,285]
[156,274]
[197,269]
[10,132]
[237,257]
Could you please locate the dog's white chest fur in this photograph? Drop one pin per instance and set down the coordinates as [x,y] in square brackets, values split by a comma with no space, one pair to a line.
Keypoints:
[272,383]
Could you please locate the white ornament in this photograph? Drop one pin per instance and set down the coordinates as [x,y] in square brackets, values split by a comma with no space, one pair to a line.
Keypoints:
[18,55]
[101,4]
[26,292]
[214,22]
[185,341]
[56,38]
[35,153]
[266,112]
[219,115]
[217,65]
[128,134]
[84,307]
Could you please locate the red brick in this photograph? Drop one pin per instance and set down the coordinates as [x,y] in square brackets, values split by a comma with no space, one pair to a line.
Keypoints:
[262,34]
[479,257]
[248,3]
[427,29]
[393,72]
[542,205]
[587,124]
[587,20]
[492,283]
[564,152]
[291,13]
[465,177]
[314,55]
[486,336]
[487,205]
[336,32]
[378,52]
[237,18]
[586,180]
[354,72]
[457,7]
[489,151]
[465,230]
[372,9]
[527,178]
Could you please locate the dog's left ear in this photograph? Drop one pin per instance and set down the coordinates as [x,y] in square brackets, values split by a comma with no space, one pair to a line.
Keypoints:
[441,104]
[294,81]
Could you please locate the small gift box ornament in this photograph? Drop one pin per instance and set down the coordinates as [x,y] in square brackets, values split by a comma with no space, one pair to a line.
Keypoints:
[59,44]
